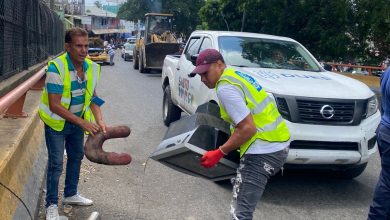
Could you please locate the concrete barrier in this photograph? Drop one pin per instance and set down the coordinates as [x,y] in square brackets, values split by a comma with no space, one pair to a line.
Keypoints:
[23,158]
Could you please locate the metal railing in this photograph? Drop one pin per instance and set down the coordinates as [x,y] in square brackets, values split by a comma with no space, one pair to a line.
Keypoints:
[11,104]
[339,67]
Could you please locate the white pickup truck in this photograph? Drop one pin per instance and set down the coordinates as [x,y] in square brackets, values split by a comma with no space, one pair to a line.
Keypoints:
[332,118]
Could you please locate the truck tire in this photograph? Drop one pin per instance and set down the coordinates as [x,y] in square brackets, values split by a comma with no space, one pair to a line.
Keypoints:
[135,60]
[351,173]
[142,68]
[170,111]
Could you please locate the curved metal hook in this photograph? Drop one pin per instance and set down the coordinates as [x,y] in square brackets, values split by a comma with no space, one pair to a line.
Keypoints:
[94,147]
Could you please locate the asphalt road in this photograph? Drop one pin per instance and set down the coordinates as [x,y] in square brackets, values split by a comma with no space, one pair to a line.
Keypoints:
[154,191]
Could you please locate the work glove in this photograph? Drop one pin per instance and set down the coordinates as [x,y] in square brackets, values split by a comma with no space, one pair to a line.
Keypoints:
[210,158]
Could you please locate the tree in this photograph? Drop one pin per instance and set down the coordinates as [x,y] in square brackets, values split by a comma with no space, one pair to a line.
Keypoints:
[185,12]
[221,15]
[320,25]
[370,30]
[133,10]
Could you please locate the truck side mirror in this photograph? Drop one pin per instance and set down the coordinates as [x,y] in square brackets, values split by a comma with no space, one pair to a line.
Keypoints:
[193,59]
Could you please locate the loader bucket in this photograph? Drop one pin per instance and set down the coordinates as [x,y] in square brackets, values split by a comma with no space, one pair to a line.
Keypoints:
[155,53]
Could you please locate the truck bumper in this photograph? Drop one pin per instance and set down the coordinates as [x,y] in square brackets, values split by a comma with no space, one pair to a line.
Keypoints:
[333,145]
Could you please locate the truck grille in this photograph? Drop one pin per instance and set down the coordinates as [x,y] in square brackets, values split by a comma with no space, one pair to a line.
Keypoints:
[283,108]
[323,145]
[340,112]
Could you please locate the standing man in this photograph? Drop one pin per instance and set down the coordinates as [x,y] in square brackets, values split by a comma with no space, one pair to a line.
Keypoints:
[258,130]
[380,208]
[111,53]
[67,109]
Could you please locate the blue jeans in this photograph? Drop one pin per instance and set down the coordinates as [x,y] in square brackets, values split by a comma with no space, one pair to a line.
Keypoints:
[112,59]
[252,177]
[72,139]
[380,208]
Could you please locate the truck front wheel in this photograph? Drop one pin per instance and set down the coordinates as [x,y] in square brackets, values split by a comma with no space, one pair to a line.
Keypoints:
[135,61]
[142,68]
[170,111]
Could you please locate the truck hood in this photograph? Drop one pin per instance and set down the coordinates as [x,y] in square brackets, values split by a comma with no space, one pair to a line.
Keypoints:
[308,84]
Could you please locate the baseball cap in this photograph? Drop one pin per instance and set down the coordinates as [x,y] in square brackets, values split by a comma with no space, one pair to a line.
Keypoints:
[204,61]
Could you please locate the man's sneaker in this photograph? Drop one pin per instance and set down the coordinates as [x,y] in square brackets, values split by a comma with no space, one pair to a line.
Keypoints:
[77,200]
[52,213]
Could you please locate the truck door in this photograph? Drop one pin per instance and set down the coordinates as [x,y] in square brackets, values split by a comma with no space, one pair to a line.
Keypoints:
[185,91]
[197,87]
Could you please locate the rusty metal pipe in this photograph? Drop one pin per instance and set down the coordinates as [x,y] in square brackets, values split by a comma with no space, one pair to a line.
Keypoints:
[94,147]
[10,98]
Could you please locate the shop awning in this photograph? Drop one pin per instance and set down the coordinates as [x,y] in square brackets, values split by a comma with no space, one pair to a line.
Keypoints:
[104,31]
[108,31]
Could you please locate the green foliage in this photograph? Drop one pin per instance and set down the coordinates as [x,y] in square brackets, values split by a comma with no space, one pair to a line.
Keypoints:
[373,19]
[348,30]
[133,10]
[185,11]
[330,29]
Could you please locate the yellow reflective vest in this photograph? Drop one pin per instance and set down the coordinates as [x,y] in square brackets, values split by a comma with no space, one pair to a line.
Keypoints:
[93,74]
[269,123]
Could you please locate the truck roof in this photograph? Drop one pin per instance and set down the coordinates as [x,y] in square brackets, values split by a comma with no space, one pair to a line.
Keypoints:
[243,34]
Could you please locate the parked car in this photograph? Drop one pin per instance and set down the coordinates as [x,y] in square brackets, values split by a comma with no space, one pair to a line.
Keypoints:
[332,118]
[127,52]
[98,55]
[131,40]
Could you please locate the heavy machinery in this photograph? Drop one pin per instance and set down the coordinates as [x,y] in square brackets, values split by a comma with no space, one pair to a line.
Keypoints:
[154,43]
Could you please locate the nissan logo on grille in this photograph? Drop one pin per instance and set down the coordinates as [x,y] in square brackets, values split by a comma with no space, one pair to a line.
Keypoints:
[327,111]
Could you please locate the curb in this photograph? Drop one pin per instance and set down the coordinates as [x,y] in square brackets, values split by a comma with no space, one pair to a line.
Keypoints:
[23,160]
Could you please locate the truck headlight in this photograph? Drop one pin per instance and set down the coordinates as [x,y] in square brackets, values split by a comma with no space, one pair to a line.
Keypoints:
[282,106]
[372,106]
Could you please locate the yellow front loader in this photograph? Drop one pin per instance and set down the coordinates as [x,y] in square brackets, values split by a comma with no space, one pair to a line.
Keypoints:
[155,43]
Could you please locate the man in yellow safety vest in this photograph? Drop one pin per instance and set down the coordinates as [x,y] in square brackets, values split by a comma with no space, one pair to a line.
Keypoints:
[69,106]
[258,130]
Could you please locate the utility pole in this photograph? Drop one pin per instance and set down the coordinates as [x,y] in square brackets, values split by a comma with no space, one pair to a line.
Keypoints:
[82,7]
[117,7]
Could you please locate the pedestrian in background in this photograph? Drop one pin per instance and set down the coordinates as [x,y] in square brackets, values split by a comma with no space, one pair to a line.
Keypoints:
[67,110]
[111,53]
[380,207]
[258,131]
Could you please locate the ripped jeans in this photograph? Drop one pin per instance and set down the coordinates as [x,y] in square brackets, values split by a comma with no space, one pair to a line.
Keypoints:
[252,177]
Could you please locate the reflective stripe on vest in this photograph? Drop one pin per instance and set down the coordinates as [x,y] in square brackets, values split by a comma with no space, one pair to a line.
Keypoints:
[87,112]
[269,123]
[55,121]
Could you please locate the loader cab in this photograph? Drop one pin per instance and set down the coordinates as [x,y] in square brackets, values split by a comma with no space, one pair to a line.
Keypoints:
[157,25]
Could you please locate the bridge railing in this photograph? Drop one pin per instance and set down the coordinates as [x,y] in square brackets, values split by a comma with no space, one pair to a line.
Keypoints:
[339,67]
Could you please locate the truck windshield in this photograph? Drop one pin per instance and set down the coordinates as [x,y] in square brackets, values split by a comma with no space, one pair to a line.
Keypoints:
[159,24]
[265,53]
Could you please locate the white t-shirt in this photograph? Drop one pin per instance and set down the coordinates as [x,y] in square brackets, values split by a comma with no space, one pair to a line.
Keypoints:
[233,100]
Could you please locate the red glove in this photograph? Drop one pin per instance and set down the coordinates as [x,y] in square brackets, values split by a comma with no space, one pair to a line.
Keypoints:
[210,158]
